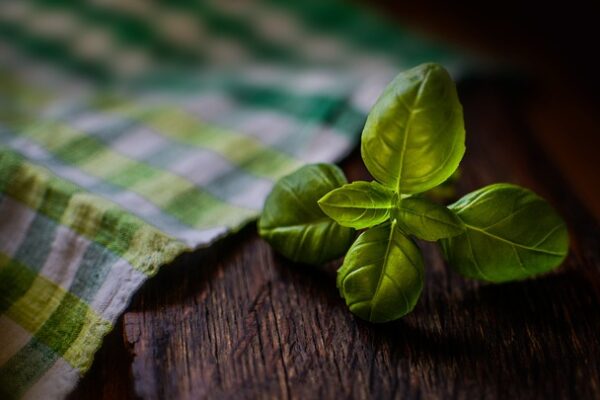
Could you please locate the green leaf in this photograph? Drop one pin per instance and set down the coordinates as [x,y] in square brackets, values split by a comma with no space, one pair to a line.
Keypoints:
[293,223]
[358,204]
[511,233]
[414,137]
[427,220]
[382,275]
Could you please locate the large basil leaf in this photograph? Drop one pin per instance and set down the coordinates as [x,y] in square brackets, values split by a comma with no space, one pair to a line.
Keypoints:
[414,136]
[427,220]
[511,233]
[382,275]
[293,223]
[359,204]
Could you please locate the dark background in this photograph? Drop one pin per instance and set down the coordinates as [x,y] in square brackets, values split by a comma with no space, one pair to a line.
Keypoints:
[555,45]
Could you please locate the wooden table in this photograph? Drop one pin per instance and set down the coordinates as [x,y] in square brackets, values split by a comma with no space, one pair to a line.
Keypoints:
[238,321]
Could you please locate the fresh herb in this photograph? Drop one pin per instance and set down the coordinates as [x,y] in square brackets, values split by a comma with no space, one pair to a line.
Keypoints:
[382,275]
[427,220]
[511,233]
[412,142]
[293,223]
[359,204]
[414,137]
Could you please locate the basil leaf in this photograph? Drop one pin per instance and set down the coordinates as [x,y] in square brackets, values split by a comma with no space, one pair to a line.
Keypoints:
[511,233]
[382,275]
[414,136]
[358,204]
[427,220]
[293,223]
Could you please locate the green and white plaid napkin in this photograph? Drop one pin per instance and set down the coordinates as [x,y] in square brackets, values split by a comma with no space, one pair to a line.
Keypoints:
[133,131]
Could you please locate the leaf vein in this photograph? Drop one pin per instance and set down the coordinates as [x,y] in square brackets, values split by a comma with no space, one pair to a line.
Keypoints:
[477,266]
[534,249]
[383,264]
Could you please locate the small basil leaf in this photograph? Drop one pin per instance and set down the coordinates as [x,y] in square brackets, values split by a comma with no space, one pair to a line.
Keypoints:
[293,223]
[414,136]
[359,204]
[382,275]
[511,233]
[427,220]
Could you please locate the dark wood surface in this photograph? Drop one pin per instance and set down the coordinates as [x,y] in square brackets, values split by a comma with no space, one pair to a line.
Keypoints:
[238,321]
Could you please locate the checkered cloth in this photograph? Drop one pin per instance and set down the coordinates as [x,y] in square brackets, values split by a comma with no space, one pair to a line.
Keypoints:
[133,131]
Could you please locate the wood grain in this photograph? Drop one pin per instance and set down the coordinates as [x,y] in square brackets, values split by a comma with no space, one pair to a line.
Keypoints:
[238,321]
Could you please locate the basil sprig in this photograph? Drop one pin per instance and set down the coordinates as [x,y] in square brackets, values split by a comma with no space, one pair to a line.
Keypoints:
[413,141]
